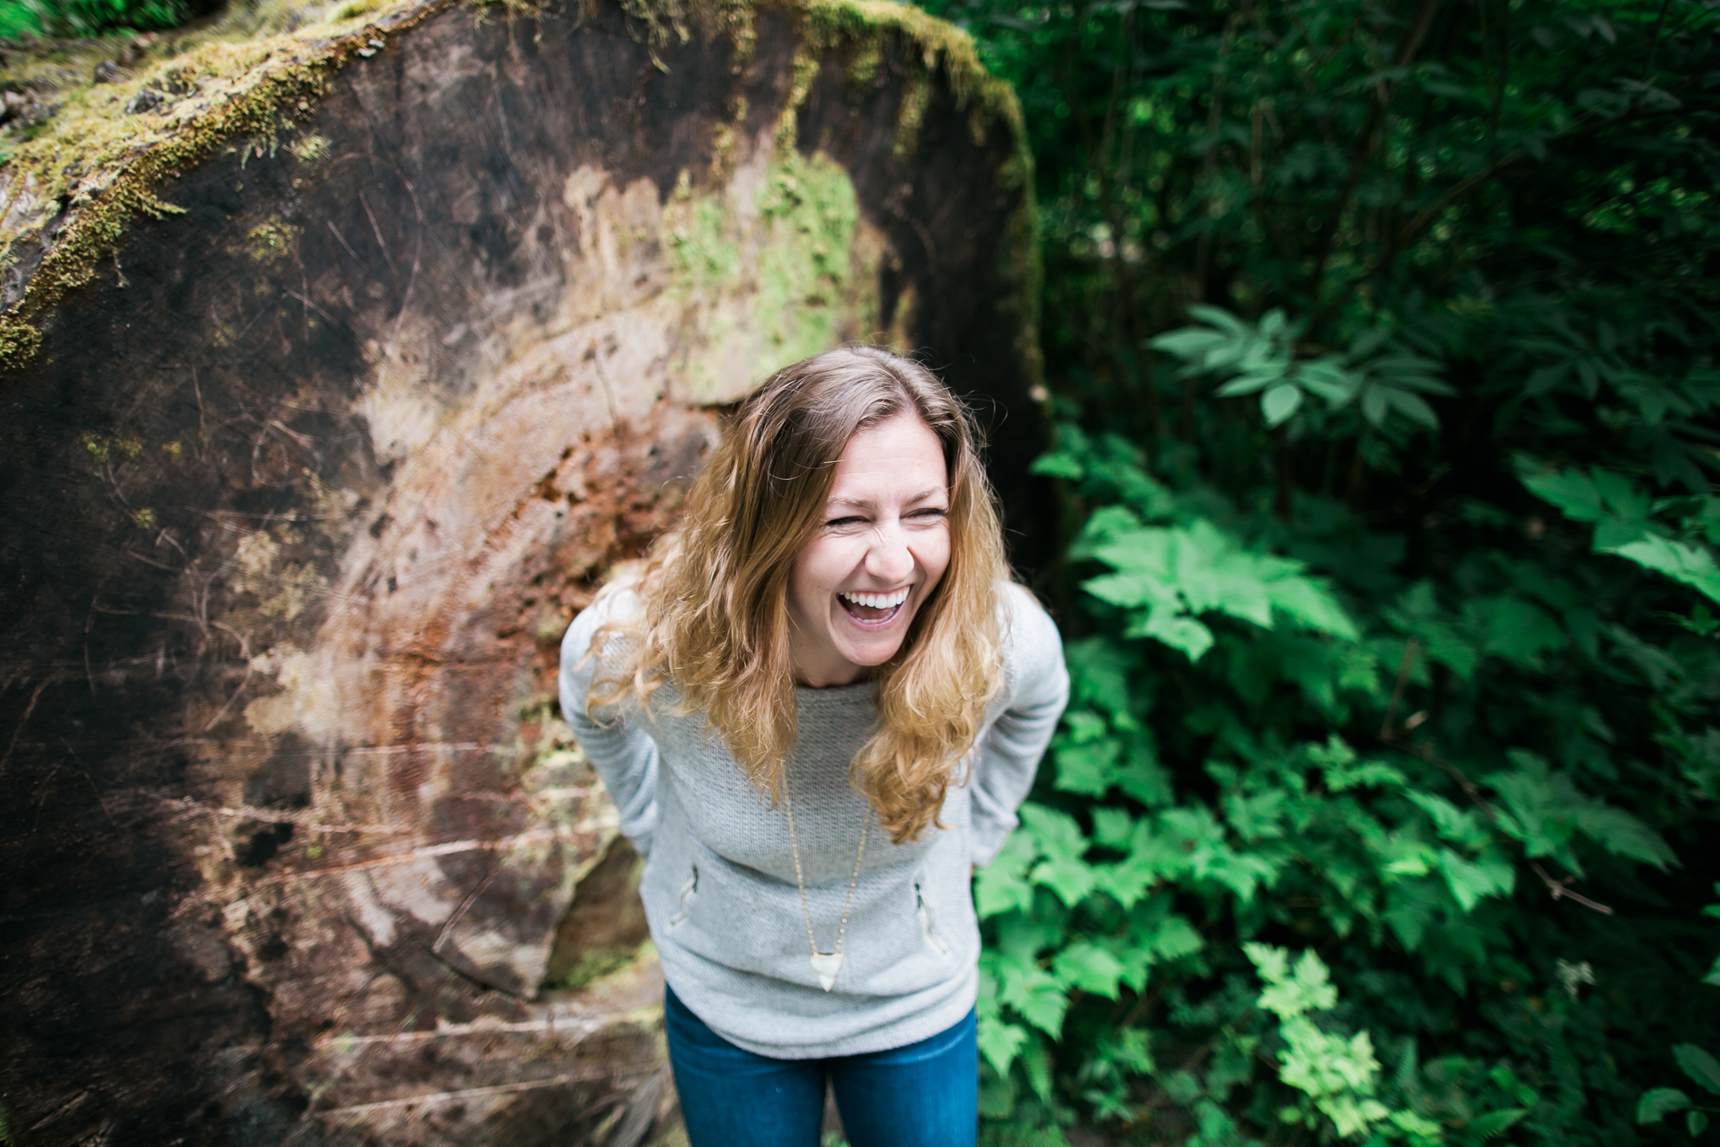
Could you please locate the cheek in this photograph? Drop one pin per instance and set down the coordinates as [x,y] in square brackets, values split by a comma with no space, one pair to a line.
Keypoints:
[934,555]
[817,572]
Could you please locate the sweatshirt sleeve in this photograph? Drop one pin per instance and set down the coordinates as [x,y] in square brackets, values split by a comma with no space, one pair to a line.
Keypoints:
[623,754]
[1038,685]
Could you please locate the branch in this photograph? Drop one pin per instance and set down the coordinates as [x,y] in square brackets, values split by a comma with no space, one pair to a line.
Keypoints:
[1366,144]
[1558,889]
[1411,647]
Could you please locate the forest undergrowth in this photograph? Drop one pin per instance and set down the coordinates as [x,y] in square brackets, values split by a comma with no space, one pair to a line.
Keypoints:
[1382,339]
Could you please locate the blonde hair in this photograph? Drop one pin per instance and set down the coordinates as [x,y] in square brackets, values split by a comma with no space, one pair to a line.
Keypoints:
[715,621]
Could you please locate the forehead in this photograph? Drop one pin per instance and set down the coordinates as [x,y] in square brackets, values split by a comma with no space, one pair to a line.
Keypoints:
[898,457]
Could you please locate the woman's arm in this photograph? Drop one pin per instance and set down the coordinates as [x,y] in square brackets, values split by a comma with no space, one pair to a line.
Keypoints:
[621,752]
[1009,754]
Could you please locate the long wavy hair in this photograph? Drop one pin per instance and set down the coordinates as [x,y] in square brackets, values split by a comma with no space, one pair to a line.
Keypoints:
[715,622]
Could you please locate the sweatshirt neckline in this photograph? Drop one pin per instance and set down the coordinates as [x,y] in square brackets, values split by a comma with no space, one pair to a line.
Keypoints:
[834,691]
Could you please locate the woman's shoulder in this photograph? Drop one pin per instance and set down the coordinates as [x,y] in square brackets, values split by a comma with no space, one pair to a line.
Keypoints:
[1031,642]
[615,604]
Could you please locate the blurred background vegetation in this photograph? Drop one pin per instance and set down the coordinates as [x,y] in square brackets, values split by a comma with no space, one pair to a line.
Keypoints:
[91,17]
[1381,336]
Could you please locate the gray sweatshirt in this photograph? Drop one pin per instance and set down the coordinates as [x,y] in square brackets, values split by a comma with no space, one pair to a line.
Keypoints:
[719,886]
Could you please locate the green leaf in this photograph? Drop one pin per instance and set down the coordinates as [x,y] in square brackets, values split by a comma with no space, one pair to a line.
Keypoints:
[1485,1127]
[1089,768]
[999,1042]
[1308,602]
[1181,633]
[1002,886]
[1695,1122]
[1188,343]
[1280,402]
[1374,405]
[1699,1065]
[1571,491]
[1471,882]
[1680,561]
[1099,675]
[1058,466]
[1657,1104]
[1220,318]
[1087,966]
[1412,406]
[1112,827]
[1290,992]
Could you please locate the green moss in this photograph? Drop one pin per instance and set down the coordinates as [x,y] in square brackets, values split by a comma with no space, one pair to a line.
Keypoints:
[108,164]
[910,114]
[597,964]
[271,241]
[859,28]
[309,148]
[804,271]
[786,279]
[256,81]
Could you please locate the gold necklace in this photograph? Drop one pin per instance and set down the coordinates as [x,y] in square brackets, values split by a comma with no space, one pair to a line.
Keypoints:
[825,964]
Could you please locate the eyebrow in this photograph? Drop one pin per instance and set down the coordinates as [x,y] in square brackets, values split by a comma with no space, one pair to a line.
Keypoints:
[868,504]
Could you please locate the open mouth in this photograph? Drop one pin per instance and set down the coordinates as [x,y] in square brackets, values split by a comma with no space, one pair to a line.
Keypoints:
[873,609]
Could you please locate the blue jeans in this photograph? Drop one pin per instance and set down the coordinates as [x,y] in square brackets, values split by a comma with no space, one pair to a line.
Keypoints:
[923,1095]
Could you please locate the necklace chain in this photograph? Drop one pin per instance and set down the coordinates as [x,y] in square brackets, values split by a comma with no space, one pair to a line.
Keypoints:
[800,880]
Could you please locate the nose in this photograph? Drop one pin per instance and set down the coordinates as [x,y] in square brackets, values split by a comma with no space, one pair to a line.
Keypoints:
[889,559]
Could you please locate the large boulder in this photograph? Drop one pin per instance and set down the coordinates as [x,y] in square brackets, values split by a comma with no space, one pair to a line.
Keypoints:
[340,362]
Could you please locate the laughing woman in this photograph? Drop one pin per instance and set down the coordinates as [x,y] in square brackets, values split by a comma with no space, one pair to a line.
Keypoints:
[817,711]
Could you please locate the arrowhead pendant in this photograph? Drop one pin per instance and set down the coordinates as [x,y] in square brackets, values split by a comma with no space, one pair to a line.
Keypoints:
[827,964]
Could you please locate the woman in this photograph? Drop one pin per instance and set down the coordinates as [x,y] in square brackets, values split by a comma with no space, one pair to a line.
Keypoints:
[816,711]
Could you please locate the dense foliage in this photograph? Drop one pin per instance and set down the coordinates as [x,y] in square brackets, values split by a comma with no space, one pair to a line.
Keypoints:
[89,17]
[1382,335]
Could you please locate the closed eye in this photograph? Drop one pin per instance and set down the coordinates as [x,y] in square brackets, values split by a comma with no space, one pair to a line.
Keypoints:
[836,523]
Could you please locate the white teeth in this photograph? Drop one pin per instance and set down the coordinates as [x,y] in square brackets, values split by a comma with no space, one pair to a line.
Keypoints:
[877,600]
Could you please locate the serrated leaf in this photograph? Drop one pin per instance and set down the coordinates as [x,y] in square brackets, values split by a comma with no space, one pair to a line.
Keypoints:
[1112,827]
[1002,885]
[1000,1043]
[1087,769]
[1054,831]
[1173,938]
[1181,633]
[1087,966]
[1681,561]
[1471,882]
[1071,880]
[1622,834]
[1657,1104]
[1485,1127]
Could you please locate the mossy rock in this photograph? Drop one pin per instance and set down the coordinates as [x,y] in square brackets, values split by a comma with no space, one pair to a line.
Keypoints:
[335,380]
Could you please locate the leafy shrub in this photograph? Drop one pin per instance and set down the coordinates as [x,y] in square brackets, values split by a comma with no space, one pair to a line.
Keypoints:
[1381,338]
[89,17]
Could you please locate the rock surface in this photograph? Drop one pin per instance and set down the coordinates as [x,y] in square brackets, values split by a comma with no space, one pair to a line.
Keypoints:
[305,477]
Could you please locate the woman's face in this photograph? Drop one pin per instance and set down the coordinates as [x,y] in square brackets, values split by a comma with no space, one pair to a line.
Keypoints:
[877,557]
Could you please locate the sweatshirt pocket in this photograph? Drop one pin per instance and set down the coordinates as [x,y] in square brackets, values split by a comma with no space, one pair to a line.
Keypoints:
[927,923]
[687,891]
